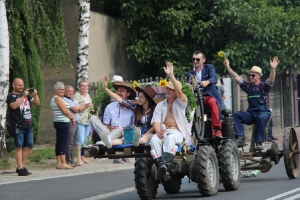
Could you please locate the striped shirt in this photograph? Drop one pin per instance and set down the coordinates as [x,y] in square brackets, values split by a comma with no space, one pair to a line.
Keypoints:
[58,114]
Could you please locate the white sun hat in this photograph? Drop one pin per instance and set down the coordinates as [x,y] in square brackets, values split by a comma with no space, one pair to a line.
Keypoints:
[117,78]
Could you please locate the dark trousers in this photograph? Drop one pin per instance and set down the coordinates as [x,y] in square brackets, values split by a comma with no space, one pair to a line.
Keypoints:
[62,131]
[260,118]
[71,143]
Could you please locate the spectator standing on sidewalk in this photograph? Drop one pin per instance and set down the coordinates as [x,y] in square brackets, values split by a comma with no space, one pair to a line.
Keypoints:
[72,136]
[62,119]
[85,101]
[19,102]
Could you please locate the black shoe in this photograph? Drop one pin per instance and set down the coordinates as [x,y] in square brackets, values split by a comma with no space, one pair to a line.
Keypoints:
[240,141]
[29,173]
[269,140]
[23,172]
[273,138]
[17,170]
[162,171]
[259,146]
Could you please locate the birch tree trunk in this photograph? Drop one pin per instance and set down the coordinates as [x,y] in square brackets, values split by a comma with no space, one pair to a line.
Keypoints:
[83,41]
[4,74]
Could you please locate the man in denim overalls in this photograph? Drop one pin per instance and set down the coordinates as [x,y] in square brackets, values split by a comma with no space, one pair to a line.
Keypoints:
[258,111]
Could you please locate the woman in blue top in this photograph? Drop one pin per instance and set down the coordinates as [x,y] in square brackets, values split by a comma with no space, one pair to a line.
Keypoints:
[143,111]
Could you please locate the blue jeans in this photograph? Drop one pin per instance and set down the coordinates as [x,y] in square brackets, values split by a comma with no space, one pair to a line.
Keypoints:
[23,137]
[62,131]
[83,133]
[260,118]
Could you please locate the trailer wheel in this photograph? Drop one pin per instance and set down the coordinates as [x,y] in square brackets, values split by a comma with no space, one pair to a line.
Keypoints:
[172,186]
[146,187]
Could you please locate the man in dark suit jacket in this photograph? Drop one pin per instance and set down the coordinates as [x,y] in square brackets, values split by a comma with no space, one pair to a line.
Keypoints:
[206,78]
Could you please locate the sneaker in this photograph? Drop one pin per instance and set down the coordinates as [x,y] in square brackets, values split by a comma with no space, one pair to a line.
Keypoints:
[105,139]
[137,136]
[23,172]
[17,170]
[118,161]
[259,146]
[29,173]
[240,141]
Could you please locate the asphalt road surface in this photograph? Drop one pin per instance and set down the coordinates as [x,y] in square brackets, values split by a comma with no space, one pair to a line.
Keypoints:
[119,185]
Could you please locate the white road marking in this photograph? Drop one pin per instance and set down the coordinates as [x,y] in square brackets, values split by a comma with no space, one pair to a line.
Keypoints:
[297,196]
[110,194]
[284,194]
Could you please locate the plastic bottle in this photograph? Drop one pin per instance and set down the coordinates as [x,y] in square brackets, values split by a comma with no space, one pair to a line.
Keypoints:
[174,150]
[116,124]
[255,173]
[164,130]
[153,154]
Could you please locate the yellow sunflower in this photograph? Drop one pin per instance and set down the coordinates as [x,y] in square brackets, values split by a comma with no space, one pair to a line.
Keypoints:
[135,84]
[163,82]
[221,54]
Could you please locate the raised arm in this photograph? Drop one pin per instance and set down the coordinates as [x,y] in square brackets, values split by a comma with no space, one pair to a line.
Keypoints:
[233,75]
[109,92]
[169,71]
[273,65]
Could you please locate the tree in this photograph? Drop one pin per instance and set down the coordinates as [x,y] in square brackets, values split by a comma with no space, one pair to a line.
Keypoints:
[250,32]
[83,41]
[4,74]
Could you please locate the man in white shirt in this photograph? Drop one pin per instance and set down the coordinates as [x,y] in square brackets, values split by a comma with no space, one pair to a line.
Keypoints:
[170,112]
[116,116]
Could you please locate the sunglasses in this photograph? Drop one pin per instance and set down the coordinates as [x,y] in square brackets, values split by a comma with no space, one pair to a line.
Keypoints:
[252,75]
[197,59]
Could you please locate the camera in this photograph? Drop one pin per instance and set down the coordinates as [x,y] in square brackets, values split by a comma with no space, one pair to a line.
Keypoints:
[31,90]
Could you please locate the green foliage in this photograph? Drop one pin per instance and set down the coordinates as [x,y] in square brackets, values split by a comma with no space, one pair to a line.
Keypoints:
[36,31]
[4,164]
[192,101]
[251,32]
[101,97]
[37,155]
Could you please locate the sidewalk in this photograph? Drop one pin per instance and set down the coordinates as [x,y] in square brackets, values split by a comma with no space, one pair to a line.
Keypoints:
[98,165]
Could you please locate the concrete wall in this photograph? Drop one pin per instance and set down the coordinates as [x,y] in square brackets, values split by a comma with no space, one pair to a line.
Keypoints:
[106,57]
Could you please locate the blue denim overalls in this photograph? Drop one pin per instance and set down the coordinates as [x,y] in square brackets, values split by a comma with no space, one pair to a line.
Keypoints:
[257,112]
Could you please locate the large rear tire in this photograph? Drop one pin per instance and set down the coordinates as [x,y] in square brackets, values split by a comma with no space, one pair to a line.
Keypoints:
[172,186]
[146,187]
[229,166]
[207,171]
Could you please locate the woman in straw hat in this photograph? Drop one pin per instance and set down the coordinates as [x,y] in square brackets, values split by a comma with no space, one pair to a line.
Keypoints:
[143,111]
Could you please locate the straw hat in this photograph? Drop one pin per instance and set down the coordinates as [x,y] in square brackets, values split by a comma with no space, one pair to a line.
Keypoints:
[149,93]
[257,70]
[126,85]
[170,85]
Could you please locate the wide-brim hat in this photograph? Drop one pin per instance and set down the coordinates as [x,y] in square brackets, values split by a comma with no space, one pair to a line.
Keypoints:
[257,70]
[149,92]
[171,86]
[126,85]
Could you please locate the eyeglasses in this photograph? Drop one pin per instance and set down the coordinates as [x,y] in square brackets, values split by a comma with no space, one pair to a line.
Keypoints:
[197,59]
[252,75]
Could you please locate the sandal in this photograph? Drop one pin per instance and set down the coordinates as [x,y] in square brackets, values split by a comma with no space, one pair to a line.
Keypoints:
[87,162]
[127,160]
[79,163]
[118,161]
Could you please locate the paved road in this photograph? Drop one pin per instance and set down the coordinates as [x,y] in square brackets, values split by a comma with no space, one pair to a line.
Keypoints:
[104,180]
[119,185]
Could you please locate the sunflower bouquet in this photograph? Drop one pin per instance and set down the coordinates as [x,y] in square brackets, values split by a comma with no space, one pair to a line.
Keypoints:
[135,84]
